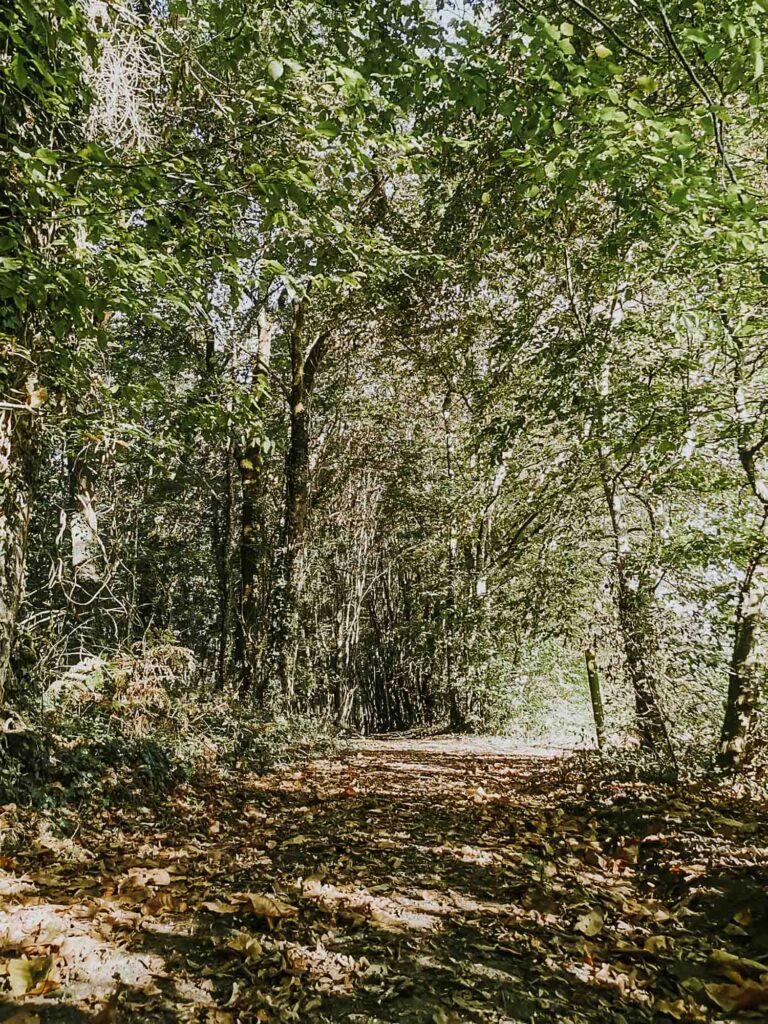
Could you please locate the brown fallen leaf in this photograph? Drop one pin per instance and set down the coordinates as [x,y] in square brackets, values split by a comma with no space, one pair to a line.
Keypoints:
[726,963]
[140,877]
[749,995]
[219,907]
[247,944]
[163,902]
[590,924]
[678,1010]
[118,917]
[629,853]
[267,906]
[462,903]
[35,976]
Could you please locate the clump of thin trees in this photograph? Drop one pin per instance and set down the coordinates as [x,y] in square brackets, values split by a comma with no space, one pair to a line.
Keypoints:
[383,357]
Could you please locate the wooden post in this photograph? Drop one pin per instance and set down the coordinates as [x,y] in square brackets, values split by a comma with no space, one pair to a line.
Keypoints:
[594,693]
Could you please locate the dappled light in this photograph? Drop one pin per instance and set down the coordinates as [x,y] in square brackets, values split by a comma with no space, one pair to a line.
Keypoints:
[379,886]
[383,511]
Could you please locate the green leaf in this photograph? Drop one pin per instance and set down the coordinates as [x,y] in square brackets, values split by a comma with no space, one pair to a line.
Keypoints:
[602,51]
[46,156]
[275,70]
[350,76]
[647,84]
[756,50]
[271,267]
[328,129]
[19,71]
[695,35]
[612,115]
[551,31]
[93,151]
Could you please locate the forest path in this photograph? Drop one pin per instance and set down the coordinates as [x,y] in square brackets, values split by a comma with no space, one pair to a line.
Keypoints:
[431,881]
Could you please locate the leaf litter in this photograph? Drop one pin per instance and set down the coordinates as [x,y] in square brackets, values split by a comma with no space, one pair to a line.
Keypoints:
[400,881]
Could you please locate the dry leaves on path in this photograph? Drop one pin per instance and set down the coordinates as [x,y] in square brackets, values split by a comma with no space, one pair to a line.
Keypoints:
[398,883]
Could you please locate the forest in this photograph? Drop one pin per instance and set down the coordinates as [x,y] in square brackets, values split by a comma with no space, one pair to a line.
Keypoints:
[383,511]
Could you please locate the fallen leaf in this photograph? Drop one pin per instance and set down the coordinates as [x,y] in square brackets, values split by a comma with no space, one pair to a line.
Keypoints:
[750,995]
[140,877]
[247,944]
[33,976]
[629,853]
[163,902]
[462,903]
[679,1010]
[267,906]
[745,826]
[590,924]
[722,960]
[219,907]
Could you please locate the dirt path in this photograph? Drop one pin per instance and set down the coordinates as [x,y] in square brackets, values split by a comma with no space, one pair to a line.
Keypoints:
[434,881]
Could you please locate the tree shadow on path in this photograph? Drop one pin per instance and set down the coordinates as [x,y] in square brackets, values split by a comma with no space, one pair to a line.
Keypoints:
[405,881]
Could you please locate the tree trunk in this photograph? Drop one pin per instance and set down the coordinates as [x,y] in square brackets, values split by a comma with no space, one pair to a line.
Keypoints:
[286,592]
[458,718]
[746,674]
[280,689]
[635,607]
[593,678]
[15,462]
[746,671]
[250,461]
[84,581]
[230,644]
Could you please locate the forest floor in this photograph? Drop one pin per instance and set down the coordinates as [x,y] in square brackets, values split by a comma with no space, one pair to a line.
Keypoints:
[401,880]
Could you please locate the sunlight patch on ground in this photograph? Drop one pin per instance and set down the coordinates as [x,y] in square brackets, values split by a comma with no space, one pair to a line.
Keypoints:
[466,854]
[11,885]
[87,960]
[390,912]
[461,746]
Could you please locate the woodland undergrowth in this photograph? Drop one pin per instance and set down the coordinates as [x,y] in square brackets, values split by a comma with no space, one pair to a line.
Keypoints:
[127,728]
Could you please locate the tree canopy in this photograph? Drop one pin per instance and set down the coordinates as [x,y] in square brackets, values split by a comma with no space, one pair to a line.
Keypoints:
[403,362]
